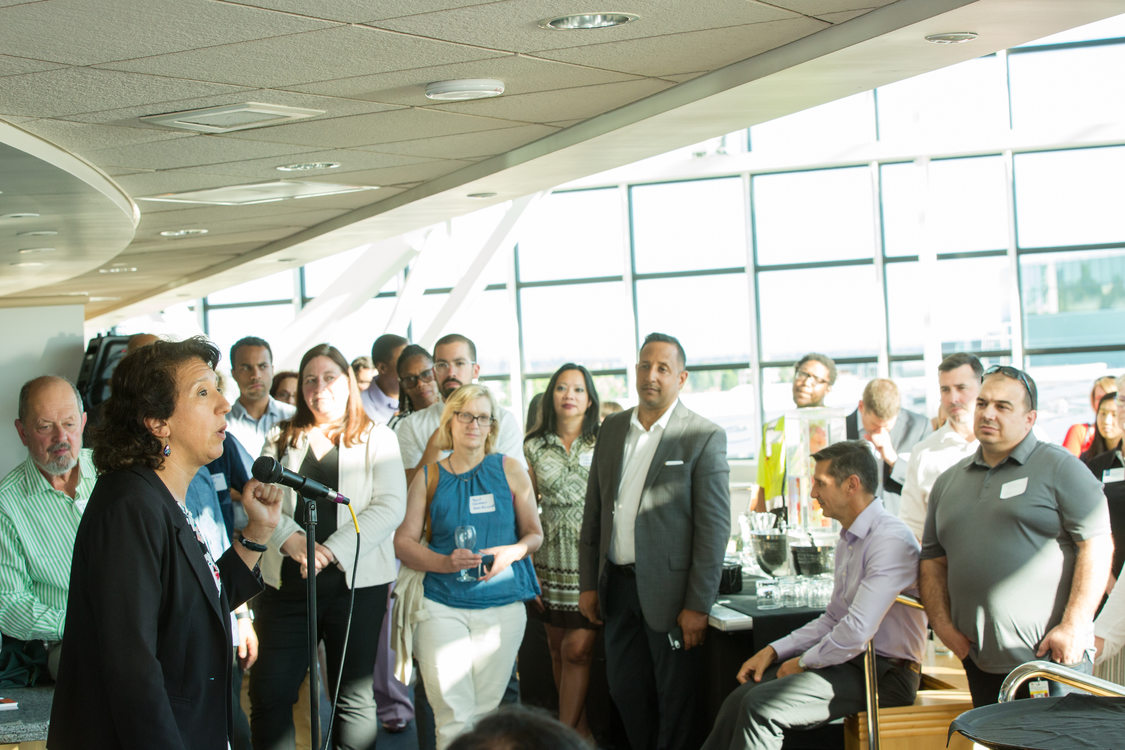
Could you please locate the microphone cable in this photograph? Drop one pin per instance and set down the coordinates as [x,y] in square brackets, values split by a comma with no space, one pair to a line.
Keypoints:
[347,634]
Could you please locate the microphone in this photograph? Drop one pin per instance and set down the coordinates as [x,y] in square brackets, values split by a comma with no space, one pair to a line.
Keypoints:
[268,471]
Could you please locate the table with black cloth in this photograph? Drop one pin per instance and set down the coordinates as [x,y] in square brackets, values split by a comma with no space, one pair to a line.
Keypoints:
[1063,723]
[724,652]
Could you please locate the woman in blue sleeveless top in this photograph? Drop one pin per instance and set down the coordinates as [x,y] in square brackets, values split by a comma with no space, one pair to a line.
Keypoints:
[469,632]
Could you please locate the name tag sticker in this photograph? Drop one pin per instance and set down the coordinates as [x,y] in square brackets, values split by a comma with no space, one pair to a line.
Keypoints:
[482,503]
[220,480]
[586,460]
[1113,475]
[1038,688]
[1013,488]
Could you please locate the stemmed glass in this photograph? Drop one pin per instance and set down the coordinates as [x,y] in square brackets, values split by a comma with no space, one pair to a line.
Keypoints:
[465,537]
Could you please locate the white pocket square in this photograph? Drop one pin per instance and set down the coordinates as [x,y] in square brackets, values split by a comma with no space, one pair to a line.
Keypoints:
[674,462]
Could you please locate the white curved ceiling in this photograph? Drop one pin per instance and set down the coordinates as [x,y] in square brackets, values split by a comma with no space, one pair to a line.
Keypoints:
[80,74]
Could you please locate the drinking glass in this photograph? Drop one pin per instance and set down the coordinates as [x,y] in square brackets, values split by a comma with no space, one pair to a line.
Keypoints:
[465,537]
[767,593]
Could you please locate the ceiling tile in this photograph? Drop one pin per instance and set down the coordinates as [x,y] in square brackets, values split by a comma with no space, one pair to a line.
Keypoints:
[513,24]
[369,130]
[359,11]
[392,175]
[70,91]
[94,29]
[10,66]
[82,138]
[303,58]
[349,160]
[690,51]
[546,106]
[820,8]
[521,74]
[843,15]
[468,145]
[169,181]
[195,150]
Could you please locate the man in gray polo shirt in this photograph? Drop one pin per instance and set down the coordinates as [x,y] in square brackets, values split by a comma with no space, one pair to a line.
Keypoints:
[1017,548]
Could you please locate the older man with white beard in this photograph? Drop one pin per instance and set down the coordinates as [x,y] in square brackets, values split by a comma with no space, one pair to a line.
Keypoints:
[41,503]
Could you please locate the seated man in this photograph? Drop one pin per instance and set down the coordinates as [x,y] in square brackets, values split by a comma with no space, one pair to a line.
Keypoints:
[41,503]
[820,675]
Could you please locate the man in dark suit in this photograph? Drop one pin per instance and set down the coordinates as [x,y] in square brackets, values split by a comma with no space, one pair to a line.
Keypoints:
[892,432]
[656,523]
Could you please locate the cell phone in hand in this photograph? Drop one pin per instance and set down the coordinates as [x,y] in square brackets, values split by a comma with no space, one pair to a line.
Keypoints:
[676,638]
[486,562]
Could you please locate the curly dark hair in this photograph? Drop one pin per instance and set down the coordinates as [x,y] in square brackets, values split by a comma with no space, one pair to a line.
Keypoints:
[143,387]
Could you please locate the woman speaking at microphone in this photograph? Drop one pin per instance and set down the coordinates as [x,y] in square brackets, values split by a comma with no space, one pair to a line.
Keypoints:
[332,441]
[146,657]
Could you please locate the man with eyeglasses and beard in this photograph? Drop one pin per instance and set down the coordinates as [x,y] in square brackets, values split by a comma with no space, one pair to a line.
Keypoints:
[41,504]
[1016,550]
[455,365]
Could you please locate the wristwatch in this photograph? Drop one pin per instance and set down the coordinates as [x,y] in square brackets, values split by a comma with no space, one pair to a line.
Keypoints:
[252,546]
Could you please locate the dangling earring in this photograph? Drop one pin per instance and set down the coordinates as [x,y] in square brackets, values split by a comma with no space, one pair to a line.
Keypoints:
[167,451]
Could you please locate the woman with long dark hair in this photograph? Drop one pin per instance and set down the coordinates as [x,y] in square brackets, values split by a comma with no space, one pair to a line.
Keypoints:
[559,451]
[330,439]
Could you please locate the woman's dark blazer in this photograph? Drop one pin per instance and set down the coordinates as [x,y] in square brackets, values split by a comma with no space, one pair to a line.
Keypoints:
[146,651]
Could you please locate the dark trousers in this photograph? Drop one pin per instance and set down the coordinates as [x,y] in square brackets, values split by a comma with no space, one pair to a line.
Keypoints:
[656,688]
[985,686]
[283,662]
[756,715]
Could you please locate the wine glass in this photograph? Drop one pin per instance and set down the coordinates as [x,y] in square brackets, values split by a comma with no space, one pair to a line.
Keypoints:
[465,537]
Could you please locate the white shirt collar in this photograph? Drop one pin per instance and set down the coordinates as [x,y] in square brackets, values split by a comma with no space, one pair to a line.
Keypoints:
[662,423]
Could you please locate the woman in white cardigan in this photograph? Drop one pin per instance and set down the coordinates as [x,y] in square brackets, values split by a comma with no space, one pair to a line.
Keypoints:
[329,439]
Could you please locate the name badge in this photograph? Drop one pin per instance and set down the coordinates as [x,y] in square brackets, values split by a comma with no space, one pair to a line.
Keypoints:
[482,503]
[1013,488]
[1113,475]
[586,460]
[220,480]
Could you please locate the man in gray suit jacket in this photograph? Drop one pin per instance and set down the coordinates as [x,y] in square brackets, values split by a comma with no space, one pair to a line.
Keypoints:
[655,527]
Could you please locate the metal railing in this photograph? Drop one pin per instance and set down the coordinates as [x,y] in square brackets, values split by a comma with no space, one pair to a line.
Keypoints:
[1058,673]
[871,679]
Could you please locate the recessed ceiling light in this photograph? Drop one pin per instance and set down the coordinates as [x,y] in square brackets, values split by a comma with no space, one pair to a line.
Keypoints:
[263,192]
[21,215]
[232,117]
[587,21]
[28,264]
[118,269]
[309,166]
[38,233]
[464,89]
[481,195]
[951,37]
[31,250]
[176,234]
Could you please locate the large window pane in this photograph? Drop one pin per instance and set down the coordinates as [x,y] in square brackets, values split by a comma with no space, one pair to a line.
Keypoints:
[913,382]
[1073,299]
[953,206]
[451,248]
[320,274]
[831,310]
[572,235]
[823,215]
[278,286]
[487,319]
[711,333]
[687,226]
[836,125]
[1064,382]
[920,107]
[969,302]
[354,334]
[1067,89]
[227,325]
[1070,197]
[726,397]
[590,324]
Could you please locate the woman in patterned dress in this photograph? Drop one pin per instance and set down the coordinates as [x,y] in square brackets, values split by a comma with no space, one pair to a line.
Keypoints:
[559,450]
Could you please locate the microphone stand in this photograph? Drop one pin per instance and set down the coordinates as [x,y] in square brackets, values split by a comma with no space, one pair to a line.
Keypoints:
[310,608]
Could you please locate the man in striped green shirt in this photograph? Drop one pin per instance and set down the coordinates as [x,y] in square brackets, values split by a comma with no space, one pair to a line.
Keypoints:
[41,503]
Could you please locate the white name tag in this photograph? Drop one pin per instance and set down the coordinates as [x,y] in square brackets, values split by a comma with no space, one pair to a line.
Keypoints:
[220,480]
[1113,475]
[1013,488]
[482,503]
[586,460]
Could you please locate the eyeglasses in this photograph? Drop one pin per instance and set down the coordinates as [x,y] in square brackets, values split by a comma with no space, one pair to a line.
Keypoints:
[803,375]
[1016,374]
[464,417]
[442,365]
[426,376]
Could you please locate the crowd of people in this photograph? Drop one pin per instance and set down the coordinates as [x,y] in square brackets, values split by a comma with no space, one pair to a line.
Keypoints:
[129,565]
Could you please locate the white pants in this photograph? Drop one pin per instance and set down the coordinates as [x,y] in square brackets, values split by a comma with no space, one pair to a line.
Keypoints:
[466,657]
